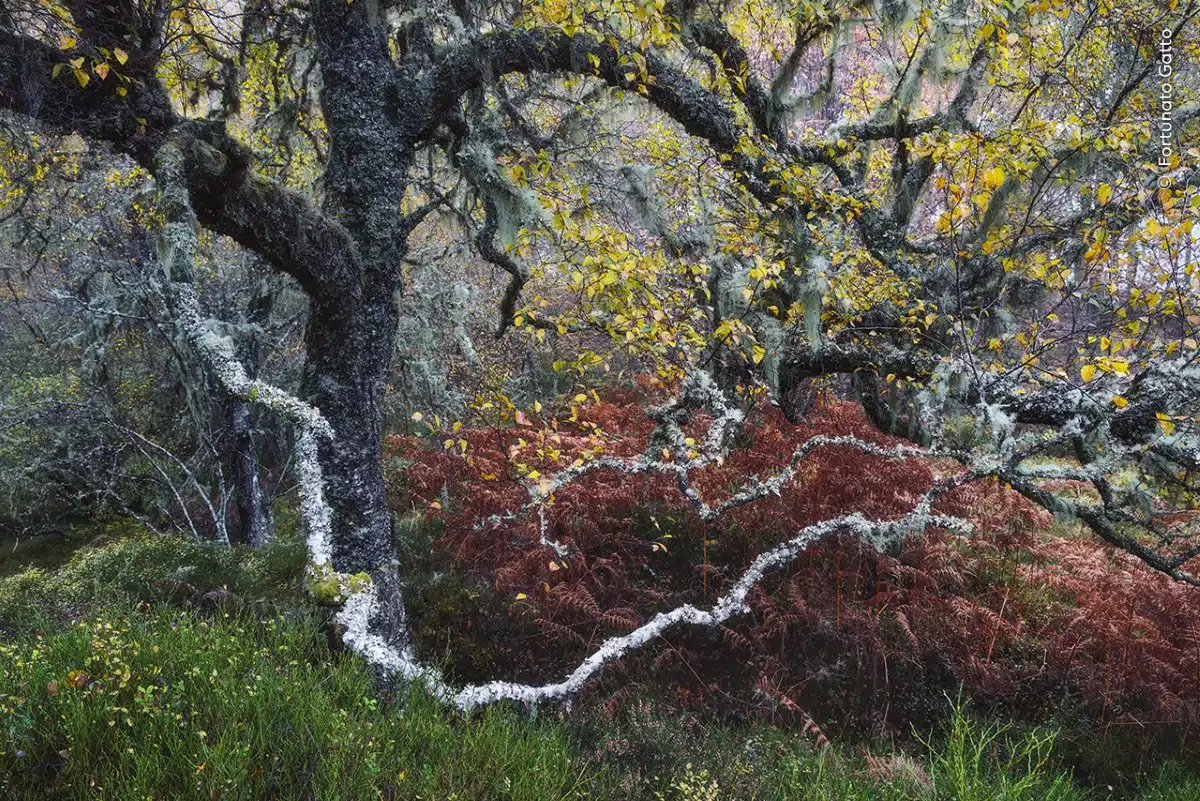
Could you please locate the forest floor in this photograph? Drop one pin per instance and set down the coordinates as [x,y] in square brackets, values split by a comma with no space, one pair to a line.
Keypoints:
[123,675]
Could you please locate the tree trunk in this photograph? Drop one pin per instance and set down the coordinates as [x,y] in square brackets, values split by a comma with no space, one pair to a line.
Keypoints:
[372,112]
[256,528]
[349,347]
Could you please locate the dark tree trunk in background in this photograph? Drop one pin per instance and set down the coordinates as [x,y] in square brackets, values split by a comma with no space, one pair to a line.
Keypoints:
[256,526]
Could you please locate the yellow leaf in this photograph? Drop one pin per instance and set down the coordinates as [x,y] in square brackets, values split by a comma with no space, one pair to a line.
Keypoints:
[1164,422]
[120,55]
[67,43]
[418,416]
[993,178]
[521,596]
[1088,371]
[82,77]
[101,69]
[1104,194]
[537,406]
[121,91]
[1119,402]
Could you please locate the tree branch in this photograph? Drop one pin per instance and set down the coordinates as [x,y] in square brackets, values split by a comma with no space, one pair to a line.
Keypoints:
[698,110]
[261,215]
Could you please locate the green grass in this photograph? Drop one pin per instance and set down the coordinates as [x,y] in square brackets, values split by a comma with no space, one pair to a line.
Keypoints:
[165,704]
[108,690]
[978,761]
[1172,784]
[133,568]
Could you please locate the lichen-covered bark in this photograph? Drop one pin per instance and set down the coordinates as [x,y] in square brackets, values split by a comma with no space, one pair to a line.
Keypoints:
[350,339]
[349,353]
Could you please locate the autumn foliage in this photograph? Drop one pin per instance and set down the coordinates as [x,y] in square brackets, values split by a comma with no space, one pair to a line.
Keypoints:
[1029,614]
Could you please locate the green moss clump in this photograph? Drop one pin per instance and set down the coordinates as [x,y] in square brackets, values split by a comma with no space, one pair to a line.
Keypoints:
[324,586]
[358,582]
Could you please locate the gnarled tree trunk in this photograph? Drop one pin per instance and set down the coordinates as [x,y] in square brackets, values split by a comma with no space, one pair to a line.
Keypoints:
[349,354]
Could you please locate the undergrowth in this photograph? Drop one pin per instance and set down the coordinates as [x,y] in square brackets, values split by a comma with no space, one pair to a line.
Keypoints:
[130,565]
[161,703]
[1032,618]
[117,691]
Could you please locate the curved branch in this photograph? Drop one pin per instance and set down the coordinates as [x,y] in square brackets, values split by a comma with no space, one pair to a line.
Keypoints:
[361,607]
[281,225]
[735,62]
[698,110]
[1099,521]
[485,241]
[177,243]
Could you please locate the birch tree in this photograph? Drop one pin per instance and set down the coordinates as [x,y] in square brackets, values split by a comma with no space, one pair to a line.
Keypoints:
[980,213]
